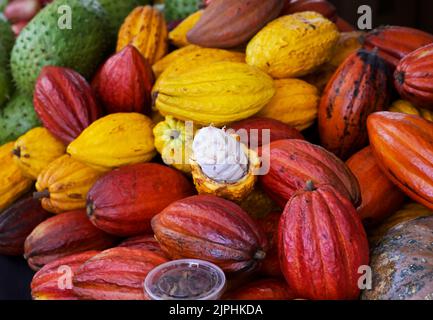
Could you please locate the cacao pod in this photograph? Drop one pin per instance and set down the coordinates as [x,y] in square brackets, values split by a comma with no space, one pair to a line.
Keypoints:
[295,103]
[408,108]
[45,283]
[395,42]
[318,259]
[196,94]
[63,185]
[325,8]
[265,289]
[293,162]
[413,77]
[403,147]
[145,29]
[146,242]
[130,133]
[124,201]
[124,83]
[212,229]
[159,67]
[257,204]
[64,102]
[357,89]
[271,264]
[17,222]
[178,35]
[35,150]
[254,130]
[63,235]
[115,274]
[13,184]
[380,197]
[293,46]
[228,24]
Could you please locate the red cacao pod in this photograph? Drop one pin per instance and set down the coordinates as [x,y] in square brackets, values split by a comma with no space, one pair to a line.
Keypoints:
[227,23]
[63,235]
[292,162]
[395,42]
[358,88]
[212,229]
[115,274]
[413,77]
[125,200]
[380,197]
[146,242]
[17,222]
[64,102]
[271,264]
[54,280]
[325,8]
[403,147]
[277,129]
[21,10]
[264,289]
[344,26]
[322,244]
[124,83]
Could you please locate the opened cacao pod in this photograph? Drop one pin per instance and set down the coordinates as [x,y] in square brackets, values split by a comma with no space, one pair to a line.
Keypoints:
[292,162]
[125,200]
[212,229]
[322,244]
[357,89]
[380,197]
[403,147]
[63,235]
[115,274]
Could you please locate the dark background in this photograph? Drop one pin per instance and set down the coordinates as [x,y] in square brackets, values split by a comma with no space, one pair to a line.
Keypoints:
[413,13]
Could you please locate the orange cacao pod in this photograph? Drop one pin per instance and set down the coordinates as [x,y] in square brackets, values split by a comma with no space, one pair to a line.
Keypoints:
[125,200]
[322,244]
[395,42]
[64,102]
[403,147]
[380,197]
[413,77]
[50,283]
[212,229]
[358,88]
[264,289]
[63,235]
[124,83]
[227,23]
[293,162]
[115,274]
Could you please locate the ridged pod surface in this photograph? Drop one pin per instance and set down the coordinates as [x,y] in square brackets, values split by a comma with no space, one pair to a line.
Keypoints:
[178,35]
[404,106]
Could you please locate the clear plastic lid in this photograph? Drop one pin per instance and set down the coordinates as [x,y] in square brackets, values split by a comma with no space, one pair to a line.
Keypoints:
[186,279]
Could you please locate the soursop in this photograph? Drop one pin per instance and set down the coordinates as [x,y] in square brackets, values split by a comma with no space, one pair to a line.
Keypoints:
[16,118]
[6,43]
[49,40]
[180,9]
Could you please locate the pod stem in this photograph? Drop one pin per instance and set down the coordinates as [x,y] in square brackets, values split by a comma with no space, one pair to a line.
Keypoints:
[310,186]
[42,194]
[17,152]
[90,209]
[260,255]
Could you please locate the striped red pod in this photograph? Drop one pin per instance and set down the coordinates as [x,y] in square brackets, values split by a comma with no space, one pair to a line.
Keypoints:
[358,88]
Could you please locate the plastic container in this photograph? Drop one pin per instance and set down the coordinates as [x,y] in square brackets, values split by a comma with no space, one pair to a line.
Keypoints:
[186,279]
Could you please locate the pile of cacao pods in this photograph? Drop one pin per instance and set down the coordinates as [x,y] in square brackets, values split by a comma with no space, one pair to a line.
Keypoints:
[97,188]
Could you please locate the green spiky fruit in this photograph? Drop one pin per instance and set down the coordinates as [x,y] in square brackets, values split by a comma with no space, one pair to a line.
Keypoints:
[6,43]
[16,118]
[50,40]
[118,10]
[180,9]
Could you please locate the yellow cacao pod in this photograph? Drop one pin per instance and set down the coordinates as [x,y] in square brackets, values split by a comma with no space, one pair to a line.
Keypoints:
[163,64]
[293,45]
[145,29]
[35,150]
[116,140]
[63,185]
[13,183]
[218,93]
[404,106]
[295,103]
[173,140]
[178,35]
